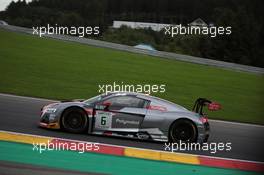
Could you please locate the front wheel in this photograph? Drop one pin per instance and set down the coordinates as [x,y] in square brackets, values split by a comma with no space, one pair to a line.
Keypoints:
[184,131]
[74,120]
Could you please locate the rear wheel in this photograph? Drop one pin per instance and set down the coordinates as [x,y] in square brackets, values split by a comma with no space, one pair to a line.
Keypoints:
[184,131]
[74,120]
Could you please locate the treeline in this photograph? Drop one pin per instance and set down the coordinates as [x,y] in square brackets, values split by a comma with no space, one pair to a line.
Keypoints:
[245,45]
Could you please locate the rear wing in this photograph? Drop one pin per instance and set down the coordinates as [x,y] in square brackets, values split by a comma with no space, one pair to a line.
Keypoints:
[201,102]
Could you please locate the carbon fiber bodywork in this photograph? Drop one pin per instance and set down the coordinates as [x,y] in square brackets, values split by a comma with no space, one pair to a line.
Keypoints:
[139,116]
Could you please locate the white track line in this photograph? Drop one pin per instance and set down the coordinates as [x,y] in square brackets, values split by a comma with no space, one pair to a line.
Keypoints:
[120,146]
[25,97]
[236,123]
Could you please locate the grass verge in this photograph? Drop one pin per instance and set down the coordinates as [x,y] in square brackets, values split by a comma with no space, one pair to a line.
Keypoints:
[48,68]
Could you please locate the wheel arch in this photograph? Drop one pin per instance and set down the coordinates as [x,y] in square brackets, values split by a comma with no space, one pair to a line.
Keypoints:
[72,107]
[181,119]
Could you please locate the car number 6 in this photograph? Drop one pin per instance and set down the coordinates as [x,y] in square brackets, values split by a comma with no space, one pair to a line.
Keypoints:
[103,120]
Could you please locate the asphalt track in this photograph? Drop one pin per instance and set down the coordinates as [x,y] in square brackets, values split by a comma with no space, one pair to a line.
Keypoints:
[21,114]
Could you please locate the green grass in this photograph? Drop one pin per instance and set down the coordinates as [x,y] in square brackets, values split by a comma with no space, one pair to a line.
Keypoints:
[54,69]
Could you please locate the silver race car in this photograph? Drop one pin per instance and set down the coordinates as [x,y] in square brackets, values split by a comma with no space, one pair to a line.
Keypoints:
[133,115]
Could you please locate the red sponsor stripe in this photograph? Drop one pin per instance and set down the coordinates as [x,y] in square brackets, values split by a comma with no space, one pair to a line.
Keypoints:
[89,147]
[159,108]
[234,164]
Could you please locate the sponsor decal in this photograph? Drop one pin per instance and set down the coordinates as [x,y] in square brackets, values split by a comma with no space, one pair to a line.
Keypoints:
[142,136]
[127,122]
[103,120]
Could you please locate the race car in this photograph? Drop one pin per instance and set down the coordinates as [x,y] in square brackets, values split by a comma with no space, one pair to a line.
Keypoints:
[129,114]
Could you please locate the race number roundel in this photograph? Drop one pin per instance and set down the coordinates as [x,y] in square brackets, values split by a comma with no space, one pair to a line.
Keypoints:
[103,120]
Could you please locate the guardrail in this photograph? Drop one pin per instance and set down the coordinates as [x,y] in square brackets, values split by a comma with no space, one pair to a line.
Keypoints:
[161,54]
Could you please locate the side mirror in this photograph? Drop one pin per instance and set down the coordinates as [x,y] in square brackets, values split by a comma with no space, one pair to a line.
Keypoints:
[214,106]
[106,105]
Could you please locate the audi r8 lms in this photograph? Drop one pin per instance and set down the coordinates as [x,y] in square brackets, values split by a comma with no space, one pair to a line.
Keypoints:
[133,115]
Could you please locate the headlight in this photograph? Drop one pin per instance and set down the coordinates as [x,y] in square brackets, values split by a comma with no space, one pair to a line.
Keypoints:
[50,110]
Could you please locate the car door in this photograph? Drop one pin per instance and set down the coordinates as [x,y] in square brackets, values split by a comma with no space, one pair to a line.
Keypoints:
[124,114]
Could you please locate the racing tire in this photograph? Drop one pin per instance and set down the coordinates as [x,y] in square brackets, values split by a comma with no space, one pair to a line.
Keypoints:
[184,131]
[74,120]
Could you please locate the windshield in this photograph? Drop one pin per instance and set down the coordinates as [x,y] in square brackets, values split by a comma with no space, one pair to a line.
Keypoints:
[93,99]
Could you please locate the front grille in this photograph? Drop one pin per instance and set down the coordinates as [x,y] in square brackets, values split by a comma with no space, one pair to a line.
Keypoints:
[45,119]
